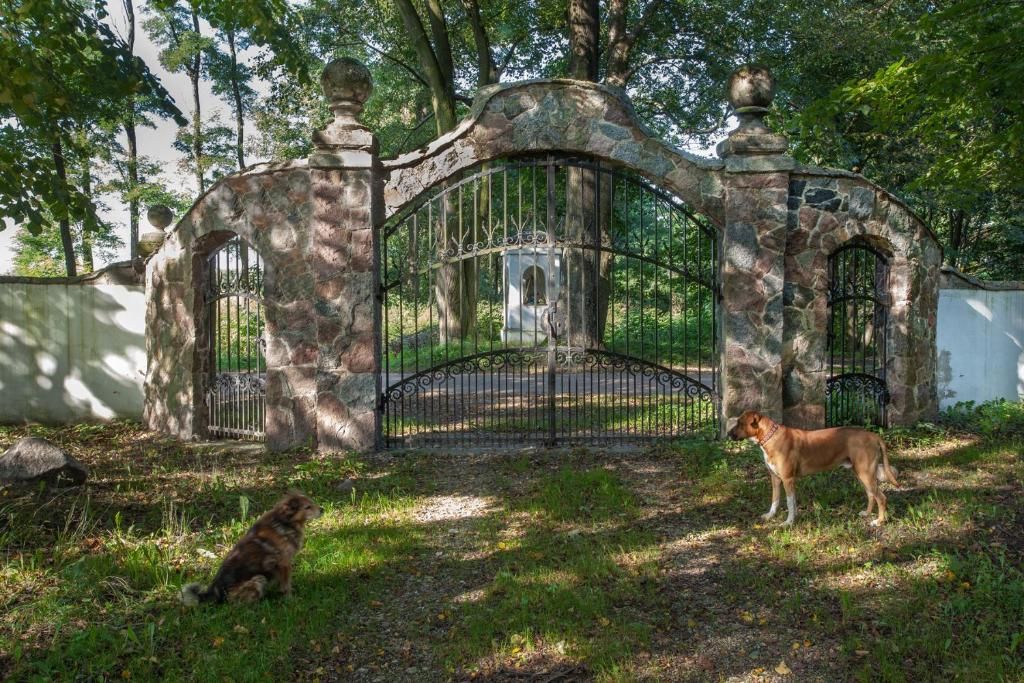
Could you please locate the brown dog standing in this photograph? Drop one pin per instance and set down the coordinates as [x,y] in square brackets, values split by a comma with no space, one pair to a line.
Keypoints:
[790,453]
[263,554]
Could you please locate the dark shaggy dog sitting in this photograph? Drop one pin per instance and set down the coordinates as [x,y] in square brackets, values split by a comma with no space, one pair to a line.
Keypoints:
[262,555]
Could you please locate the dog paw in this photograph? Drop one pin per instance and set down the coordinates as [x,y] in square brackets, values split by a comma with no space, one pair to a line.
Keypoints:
[875,522]
[767,516]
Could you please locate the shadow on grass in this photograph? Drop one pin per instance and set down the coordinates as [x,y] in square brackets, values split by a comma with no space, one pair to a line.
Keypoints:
[574,570]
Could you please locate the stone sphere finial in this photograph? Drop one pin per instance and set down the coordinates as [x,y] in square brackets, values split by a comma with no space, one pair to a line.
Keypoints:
[347,85]
[159,216]
[750,91]
[751,87]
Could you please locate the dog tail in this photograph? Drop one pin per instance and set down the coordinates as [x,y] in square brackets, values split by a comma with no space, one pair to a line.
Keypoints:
[886,472]
[192,594]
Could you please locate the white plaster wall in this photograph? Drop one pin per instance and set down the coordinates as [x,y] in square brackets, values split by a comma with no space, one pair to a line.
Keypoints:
[980,340]
[71,352]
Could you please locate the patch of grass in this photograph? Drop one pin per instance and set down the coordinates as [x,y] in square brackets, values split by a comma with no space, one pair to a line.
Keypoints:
[643,566]
[574,593]
[91,578]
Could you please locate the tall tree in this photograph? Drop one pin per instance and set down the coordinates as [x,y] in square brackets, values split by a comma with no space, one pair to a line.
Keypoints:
[456,283]
[231,79]
[133,143]
[64,70]
[177,29]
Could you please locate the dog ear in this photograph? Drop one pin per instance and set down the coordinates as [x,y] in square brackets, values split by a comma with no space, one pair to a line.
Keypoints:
[754,417]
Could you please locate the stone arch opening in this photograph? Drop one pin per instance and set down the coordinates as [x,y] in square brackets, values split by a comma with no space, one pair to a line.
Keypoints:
[856,390]
[606,288]
[322,226]
[231,340]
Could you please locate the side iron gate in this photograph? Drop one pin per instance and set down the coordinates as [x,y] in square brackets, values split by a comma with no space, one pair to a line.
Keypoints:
[236,389]
[551,301]
[856,390]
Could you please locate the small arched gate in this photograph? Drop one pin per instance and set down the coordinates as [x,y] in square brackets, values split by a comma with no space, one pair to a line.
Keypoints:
[551,301]
[858,325]
[236,345]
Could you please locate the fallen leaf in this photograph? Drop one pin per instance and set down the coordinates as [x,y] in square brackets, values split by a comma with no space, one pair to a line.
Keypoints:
[240,629]
[796,645]
[782,669]
[861,653]
[218,641]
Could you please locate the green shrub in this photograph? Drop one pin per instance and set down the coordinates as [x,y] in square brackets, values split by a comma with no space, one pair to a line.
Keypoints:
[998,417]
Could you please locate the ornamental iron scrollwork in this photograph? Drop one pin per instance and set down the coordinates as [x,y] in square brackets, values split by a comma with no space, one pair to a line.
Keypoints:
[235,326]
[858,327]
[618,341]
[858,384]
[232,384]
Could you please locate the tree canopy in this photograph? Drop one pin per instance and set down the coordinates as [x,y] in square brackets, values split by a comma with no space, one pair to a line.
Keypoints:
[922,97]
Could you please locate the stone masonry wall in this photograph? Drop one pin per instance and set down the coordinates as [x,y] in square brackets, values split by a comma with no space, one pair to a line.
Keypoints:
[826,210]
[315,225]
[558,117]
[269,206]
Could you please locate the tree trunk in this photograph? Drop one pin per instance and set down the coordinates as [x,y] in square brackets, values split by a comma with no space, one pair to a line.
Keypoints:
[957,233]
[588,206]
[588,268]
[455,284]
[487,70]
[133,148]
[194,74]
[65,223]
[87,256]
[236,91]
[584,29]
[440,98]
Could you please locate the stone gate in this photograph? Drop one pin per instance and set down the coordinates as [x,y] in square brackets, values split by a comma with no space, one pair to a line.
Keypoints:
[316,224]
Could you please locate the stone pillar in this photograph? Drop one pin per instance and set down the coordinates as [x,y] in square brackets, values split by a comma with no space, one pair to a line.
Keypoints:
[756,182]
[346,201]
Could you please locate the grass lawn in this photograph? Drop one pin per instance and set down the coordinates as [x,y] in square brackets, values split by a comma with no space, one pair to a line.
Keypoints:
[520,566]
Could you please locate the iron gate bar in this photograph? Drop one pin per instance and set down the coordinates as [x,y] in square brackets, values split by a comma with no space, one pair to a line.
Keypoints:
[523,398]
[236,392]
[856,390]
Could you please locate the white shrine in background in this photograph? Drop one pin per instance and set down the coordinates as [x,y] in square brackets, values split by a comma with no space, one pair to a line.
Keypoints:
[529,290]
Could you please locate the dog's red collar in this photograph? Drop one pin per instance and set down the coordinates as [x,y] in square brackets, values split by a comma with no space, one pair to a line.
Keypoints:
[775,428]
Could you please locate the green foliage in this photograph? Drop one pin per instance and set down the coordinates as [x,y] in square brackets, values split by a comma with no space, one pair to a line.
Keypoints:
[218,156]
[934,117]
[991,418]
[63,68]
[41,255]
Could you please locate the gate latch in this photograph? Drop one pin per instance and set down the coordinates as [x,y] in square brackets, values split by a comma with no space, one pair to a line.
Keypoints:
[555,320]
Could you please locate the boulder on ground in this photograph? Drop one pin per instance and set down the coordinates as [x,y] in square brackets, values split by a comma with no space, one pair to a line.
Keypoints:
[33,459]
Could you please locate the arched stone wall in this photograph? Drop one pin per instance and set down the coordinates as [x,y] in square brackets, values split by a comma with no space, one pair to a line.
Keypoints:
[556,116]
[268,206]
[827,209]
[316,226]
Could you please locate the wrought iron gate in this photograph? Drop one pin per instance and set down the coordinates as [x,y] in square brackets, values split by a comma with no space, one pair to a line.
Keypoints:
[552,301]
[236,392]
[856,390]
